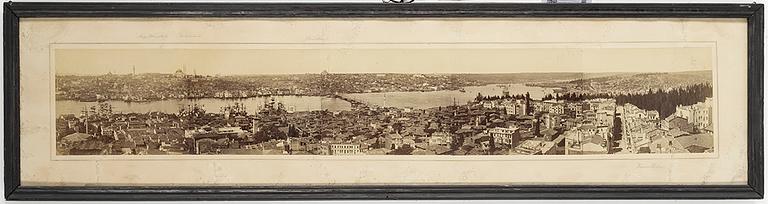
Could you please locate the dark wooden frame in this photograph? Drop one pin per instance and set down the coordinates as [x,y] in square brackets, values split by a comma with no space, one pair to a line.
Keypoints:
[753,13]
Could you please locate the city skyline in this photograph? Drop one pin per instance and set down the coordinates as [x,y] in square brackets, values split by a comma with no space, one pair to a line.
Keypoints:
[410,61]
[325,114]
[187,72]
[388,101]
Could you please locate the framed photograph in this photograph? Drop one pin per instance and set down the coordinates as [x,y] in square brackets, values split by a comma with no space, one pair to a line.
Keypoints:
[233,101]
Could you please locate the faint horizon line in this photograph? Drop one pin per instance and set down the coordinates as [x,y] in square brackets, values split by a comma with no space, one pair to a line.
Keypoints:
[433,73]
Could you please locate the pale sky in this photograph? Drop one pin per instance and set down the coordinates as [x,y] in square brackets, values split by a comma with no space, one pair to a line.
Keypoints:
[292,61]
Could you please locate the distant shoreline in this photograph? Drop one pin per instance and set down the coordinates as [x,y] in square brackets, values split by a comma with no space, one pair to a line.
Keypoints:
[241,98]
[298,95]
[193,98]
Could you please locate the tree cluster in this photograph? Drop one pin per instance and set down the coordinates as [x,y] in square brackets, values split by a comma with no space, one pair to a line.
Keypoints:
[480,97]
[665,102]
[576,96]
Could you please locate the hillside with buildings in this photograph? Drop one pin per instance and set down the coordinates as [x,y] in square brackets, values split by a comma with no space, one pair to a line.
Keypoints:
[514,78]
[623,113]
[623,83]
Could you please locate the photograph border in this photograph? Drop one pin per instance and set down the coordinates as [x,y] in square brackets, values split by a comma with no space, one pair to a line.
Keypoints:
[753,13]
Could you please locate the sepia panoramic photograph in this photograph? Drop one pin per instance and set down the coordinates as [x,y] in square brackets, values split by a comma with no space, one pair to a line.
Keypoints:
[384,101]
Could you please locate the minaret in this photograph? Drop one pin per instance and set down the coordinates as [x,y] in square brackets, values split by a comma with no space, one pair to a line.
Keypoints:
[385,100]
[134,70]
[85,112]
[253,126]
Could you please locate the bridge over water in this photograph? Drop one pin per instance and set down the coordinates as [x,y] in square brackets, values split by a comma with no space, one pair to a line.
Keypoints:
[355,103]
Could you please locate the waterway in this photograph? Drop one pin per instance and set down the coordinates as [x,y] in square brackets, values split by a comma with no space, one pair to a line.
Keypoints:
[421,100]
[418,100]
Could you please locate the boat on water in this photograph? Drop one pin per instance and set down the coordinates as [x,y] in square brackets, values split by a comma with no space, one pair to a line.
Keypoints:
[137,101]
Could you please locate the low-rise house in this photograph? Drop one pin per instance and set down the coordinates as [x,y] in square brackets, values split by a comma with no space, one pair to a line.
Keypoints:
[441,139]
[666,144]
[680,124]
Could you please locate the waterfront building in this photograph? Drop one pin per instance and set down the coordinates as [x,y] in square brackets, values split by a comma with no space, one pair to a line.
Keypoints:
[344,149]
[230,131]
